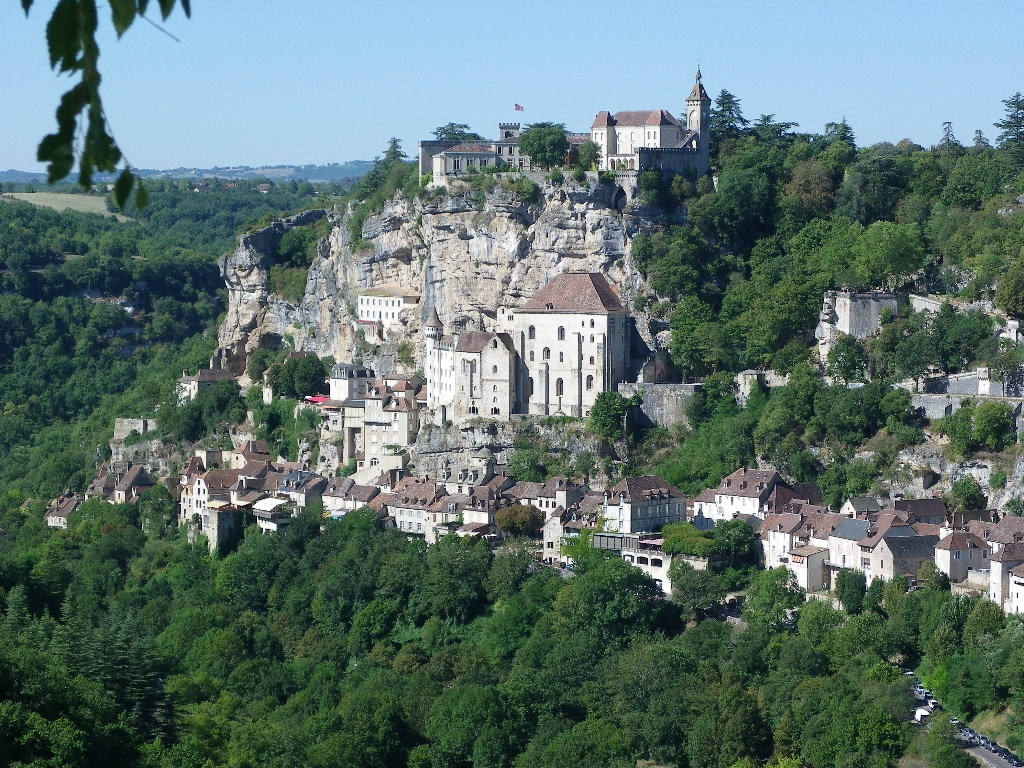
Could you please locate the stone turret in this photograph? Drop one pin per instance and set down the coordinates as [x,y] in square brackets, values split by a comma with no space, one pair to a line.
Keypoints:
[433,329]
[698,117]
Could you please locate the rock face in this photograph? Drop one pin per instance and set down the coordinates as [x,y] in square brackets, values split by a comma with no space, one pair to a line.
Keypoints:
[255,317]
[468,254]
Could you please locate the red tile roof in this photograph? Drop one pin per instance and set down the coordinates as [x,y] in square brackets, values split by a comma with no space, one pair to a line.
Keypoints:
[585,292]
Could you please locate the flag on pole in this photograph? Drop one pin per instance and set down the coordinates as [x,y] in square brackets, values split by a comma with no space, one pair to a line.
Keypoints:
[519,107]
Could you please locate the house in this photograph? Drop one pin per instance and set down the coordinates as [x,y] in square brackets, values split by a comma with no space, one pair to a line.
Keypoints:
[860,507]
[385,307]
[272,514]
[810,566]
[924,510]
[189,386]
[643,552]
[744,492]
[248,451]
[417,505]
[391,421]
[302,488]
[444,159]
[564,525]
[343,495]
[642,504]
[641,140]
[961,553]
[901,556]
[1006,577]
[131,485]
[60,509]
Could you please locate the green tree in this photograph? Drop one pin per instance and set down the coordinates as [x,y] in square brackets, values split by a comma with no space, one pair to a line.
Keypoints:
[519,519]
[727,123]
[1010,290]
[846,360]
[545,143]
[771,595]
[851,587]
[1011,127]
[456,132]
[589,155]
[693,591]
[967,494]
[608,416]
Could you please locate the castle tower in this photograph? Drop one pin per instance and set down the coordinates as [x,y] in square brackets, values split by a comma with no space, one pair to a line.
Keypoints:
[508,131]
[698,119]
[432,328]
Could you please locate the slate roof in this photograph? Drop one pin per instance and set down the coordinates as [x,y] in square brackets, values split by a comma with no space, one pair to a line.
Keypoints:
[912,546]
[644,487]
[746,482]
[923,507]
[584,292]
[864,504]
[781,522]
[1009,530]
[851,529]
[470,148]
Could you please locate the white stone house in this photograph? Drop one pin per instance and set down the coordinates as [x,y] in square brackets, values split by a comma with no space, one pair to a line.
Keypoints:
[744,492]
[344,495]
[642,504]
[383,307]
[963,556]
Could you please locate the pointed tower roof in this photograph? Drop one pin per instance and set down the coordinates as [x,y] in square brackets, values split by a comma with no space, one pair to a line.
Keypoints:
[698,93]
[434,321]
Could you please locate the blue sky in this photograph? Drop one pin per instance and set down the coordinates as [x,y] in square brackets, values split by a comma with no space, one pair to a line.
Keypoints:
[320,81]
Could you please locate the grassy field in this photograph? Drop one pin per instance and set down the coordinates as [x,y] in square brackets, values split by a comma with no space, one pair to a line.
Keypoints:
[61,201]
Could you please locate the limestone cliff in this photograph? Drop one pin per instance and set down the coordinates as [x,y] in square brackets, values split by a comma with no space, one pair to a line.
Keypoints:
[468,254]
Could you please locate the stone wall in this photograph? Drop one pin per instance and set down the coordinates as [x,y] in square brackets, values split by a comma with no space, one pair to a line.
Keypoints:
[124,427]
[935,406]
[854,314]
[663,404]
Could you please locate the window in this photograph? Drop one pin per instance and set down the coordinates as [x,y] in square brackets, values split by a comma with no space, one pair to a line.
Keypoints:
[494,369]
[529,386]
[456,163]
[546,354]
[656,562]
[531,355]
[956,555]
[531,333]
[591,338]
[590,382]
[561,357]
[561,333]
[494,343]
[641,560]
[558,387]
[495,411]
[495,388]
[591,359]
[591,323]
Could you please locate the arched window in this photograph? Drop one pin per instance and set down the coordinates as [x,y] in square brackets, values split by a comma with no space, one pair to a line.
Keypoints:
[531,355]
[531,333]
[561,333]
[494,344]
[495,411]
[495,388]
[558,387]
[590,382]
[591,338]
[494,369]
[561,357]
[546,354]
[591,359]
[591,323]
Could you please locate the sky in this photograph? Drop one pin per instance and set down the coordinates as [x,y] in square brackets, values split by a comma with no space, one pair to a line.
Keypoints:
[263,82]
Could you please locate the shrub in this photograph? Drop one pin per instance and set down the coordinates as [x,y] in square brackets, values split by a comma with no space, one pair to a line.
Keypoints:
[579,175]
[556,176]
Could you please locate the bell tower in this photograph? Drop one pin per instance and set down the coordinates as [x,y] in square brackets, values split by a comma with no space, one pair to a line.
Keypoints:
[698,120]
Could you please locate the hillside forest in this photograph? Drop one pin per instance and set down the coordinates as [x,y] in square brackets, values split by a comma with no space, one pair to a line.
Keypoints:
[339,643]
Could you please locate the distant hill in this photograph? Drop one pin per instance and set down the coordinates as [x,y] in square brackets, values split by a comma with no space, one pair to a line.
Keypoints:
[352,169]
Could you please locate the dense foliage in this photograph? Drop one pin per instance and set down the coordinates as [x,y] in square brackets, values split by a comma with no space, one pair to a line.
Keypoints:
[338,643]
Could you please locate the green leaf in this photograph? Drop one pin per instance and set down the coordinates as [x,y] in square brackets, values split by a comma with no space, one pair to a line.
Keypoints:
[166,6]
[123,187]
[63,36]
[26,4]
[123,13]
[186,6]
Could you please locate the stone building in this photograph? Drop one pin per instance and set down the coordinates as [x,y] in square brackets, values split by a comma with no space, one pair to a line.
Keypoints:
[383,307]
[469,374]
[572,343]
[652,138]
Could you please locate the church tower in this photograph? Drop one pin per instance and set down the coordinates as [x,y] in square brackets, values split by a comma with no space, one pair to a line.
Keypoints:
[698,120]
